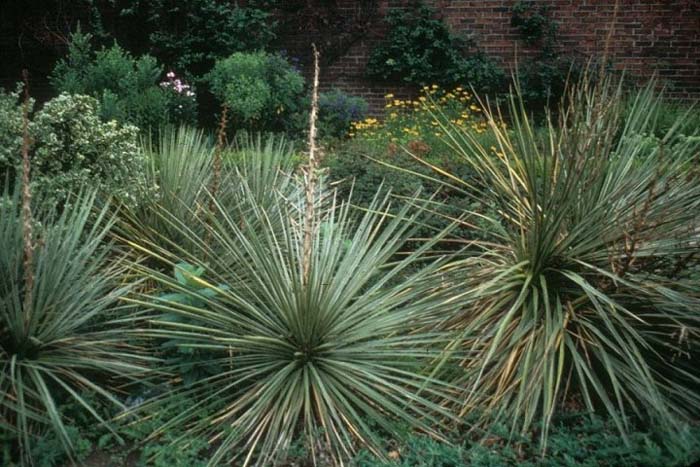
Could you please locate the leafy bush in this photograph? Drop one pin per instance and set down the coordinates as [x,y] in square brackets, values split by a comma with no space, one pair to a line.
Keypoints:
[321,361]
[128,88]
[73,148]
[190,36]
[543,80]
[69,333]
[10,130]
[585,292]
[421,50]
[262,91]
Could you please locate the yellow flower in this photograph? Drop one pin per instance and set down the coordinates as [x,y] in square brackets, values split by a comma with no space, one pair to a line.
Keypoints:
[475,108]
[393,115]
[421,98]
[434,86]
[389,96]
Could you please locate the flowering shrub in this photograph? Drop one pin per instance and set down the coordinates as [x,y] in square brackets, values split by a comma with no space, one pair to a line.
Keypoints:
[417,124]
[126,86]
[183,99]
[362,165]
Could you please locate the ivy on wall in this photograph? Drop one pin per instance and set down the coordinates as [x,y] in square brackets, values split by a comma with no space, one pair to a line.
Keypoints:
[419,49]
[543,79]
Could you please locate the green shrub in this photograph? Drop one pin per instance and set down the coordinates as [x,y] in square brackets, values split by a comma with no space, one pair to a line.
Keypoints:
[355,168]
[128,88]
[262,91]
[421,50]
[72,148]
[68,334]
[585,290]
[190,36]
[410,129]
[682,120]
[10,130]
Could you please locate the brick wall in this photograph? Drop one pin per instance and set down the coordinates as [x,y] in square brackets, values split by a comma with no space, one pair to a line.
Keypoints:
[652,36]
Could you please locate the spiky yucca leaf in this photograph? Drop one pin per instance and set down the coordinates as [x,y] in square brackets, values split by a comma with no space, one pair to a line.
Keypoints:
[74,336]
[586,288]
[180,170]
[330,361]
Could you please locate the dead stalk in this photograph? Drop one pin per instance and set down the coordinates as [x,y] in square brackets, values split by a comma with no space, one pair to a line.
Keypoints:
[221,141]
[310,173]
[27,234]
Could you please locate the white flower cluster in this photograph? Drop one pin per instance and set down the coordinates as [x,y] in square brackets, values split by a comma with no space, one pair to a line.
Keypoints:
[177,85]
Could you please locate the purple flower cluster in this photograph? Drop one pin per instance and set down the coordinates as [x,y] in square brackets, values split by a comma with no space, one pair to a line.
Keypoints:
[177,85]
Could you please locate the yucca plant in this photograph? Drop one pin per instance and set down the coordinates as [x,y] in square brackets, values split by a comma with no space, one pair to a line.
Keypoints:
[584,292]
[66,338]
[330,360]
[178,169]
[181,169]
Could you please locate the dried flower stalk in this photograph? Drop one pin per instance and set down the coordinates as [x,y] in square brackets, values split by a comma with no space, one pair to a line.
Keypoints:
[27,224]
[311,173]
